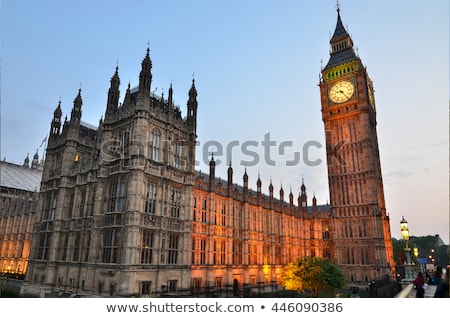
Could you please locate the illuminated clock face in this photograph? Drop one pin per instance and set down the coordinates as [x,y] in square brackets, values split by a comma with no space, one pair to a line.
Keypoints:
[341,91]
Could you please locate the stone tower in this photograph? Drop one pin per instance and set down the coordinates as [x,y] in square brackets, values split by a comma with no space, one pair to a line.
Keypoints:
[362,245]
[114,213]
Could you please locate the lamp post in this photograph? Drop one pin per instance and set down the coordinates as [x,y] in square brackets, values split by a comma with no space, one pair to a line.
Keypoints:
[409,268]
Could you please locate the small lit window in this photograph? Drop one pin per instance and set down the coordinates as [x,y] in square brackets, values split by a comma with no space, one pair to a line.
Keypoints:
[77,157]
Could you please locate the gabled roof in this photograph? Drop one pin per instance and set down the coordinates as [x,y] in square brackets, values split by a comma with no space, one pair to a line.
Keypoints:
[18,177]
[340,58]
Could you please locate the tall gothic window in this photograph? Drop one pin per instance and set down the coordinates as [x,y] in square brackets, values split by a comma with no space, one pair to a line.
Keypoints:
[116,196]
[44,245]
[199,251]
[65,246]
[70,207]
[219,252]
[87,247]
[240,219]
[147,247]
[278,250]
[252,253]
[311,231]
[53,208]
[82,203]
[50,206]
[177,155]
[237,252]
[155,142]
[195,209]
[204,211]
[266,253]
[48,200]
[173,249]
[120,196]
[325,231]
[76,247]
[224,216]
[150,198]
[194,251]
[125,141]
[176,203]
[215,216]
[111,245]
[202,252]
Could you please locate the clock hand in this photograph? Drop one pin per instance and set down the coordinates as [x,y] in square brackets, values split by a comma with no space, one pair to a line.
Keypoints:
[342,92]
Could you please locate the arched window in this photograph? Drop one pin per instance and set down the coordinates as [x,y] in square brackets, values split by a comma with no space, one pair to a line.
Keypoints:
[155,142]
[177,155]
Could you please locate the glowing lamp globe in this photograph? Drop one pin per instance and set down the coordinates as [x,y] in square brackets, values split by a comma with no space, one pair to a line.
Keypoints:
[404,229]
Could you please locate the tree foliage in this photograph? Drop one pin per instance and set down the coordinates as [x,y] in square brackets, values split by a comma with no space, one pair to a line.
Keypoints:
[313,274]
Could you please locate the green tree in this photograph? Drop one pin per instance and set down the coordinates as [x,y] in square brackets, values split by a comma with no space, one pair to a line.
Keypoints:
[314,274]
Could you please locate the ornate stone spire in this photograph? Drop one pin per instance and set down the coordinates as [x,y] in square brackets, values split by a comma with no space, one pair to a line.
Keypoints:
[113,93]
[56,122]
[145,77]
[35,162]
[75,116]
[26,162]
[192,106]
[341,45]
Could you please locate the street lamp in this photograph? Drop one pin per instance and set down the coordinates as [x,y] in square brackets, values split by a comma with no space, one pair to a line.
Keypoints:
[404,229]
[409,270]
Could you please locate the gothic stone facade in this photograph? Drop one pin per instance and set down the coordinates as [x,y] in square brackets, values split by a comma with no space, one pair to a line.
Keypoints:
[124,213]
[242,237]
[115,209]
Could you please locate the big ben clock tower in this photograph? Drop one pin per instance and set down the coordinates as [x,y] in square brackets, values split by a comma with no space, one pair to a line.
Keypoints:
[361,231]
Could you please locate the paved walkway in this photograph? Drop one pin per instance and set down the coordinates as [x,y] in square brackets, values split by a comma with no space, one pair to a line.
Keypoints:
[408,291]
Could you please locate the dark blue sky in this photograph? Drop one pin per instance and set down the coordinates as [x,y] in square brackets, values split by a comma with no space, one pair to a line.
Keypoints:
[256,65]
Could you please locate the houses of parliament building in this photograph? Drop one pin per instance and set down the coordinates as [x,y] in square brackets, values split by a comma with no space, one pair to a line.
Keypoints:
[123,212]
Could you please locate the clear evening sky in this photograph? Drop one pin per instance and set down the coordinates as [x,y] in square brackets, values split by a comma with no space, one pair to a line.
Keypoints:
[256,66]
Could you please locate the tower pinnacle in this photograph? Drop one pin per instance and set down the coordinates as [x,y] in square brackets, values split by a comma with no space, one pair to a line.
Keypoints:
[145,76]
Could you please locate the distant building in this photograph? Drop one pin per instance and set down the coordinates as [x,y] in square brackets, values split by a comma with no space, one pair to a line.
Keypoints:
[19,193]
[123,212]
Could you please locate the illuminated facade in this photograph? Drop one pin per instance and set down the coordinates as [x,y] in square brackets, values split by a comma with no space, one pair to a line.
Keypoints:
[243,238]
[19,194]
[122,211]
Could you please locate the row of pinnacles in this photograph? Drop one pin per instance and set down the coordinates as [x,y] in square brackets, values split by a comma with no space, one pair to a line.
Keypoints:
[139,102]
[107,191]
[165,110]
[94,187]
[35,163]
[211,183]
